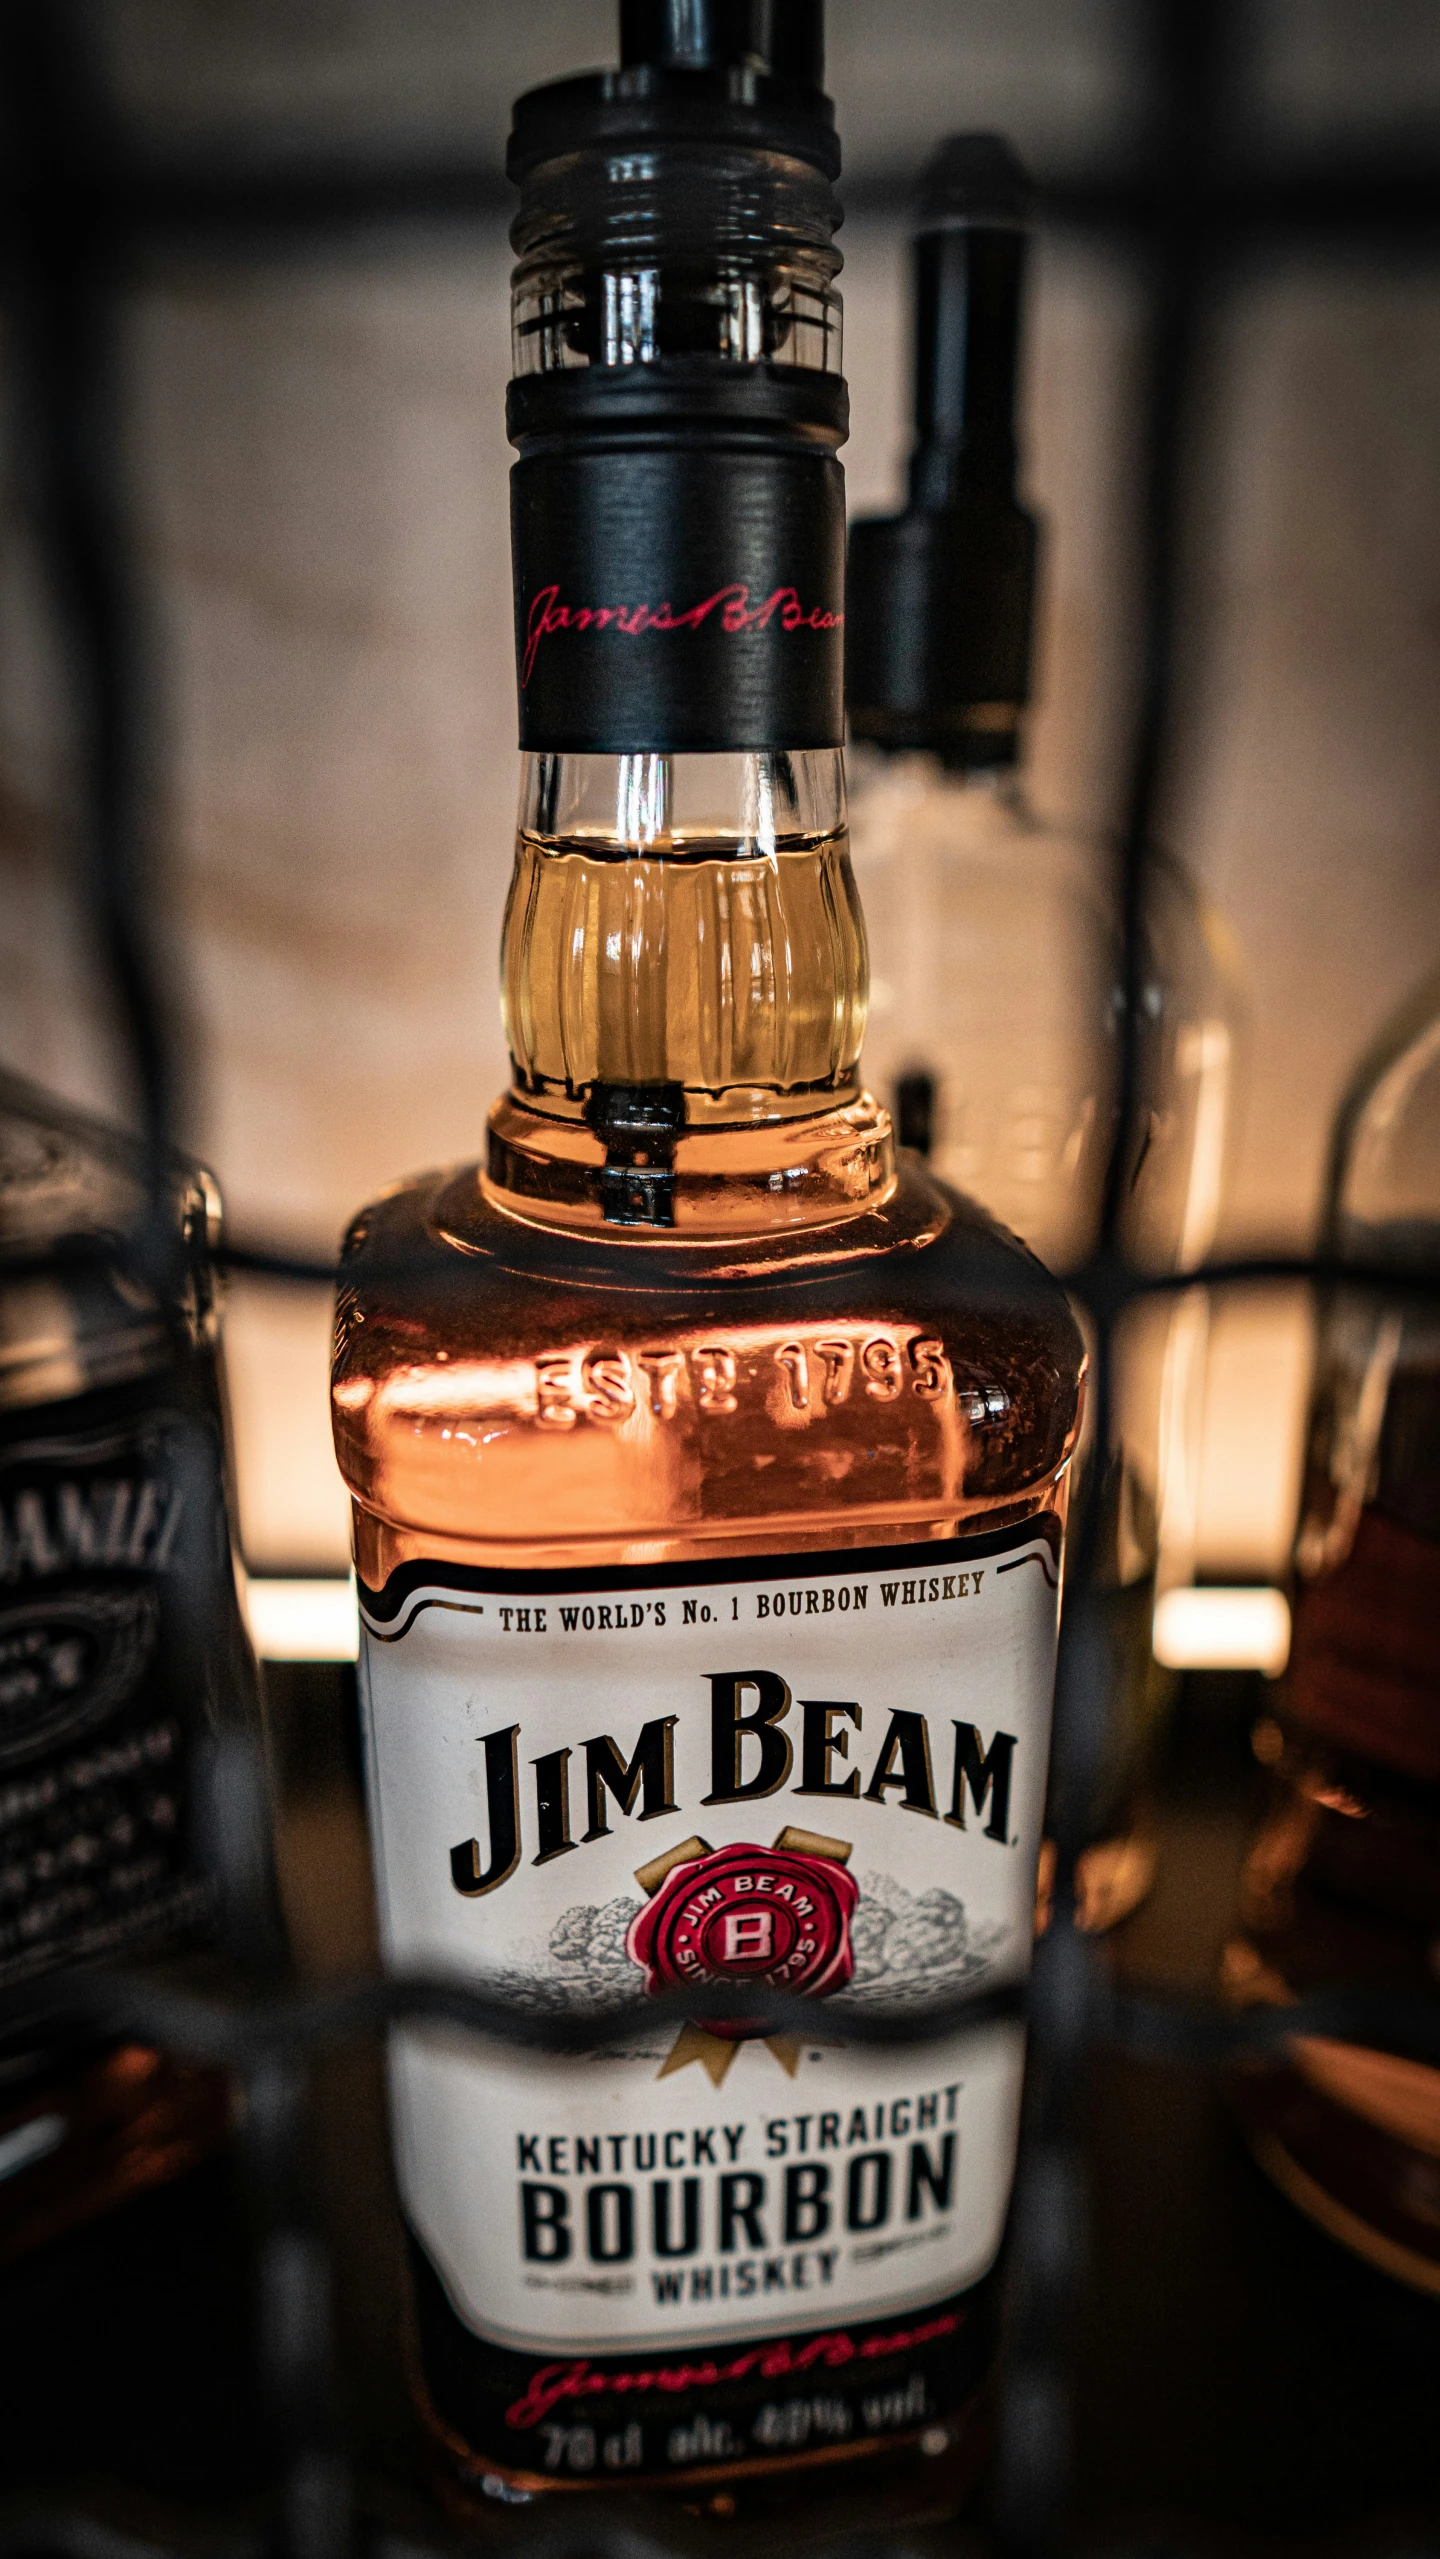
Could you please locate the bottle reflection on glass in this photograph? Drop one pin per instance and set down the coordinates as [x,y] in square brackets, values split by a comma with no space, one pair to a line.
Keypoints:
[1343,1884]
[997,964]
[122,1652]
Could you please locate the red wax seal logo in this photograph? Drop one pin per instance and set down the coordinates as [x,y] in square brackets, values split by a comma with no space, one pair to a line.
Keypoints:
[776,1916]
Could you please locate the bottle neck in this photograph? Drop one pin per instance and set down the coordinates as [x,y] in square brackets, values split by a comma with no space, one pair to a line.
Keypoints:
[968,283]
[684,961]
[684,983]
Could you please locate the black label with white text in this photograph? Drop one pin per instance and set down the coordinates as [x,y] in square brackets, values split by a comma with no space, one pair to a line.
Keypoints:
[94,1724]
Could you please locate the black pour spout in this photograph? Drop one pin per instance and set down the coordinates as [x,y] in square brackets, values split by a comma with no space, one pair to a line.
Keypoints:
[780,39]
[940,597]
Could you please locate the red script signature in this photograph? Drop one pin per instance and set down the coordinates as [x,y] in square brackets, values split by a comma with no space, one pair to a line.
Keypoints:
[731,604]
[579,2380]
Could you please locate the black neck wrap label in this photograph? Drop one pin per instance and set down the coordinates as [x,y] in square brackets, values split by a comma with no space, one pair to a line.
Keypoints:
[677,589]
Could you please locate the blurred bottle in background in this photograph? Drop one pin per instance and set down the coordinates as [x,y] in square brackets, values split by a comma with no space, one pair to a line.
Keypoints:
[1343,1884]
[996,988]
[123,1654]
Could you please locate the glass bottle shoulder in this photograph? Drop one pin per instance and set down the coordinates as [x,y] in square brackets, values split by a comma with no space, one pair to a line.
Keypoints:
[1385,1160]
[500,1385]
[75,1312]
[973,854]
[901,802]
[997,980]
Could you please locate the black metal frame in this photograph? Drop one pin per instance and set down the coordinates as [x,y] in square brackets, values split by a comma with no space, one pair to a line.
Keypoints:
[77,206]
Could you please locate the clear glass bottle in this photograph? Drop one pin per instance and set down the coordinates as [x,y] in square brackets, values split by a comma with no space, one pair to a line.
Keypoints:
[709,1469]
[996,956]
[113,1529]
[1343,1884]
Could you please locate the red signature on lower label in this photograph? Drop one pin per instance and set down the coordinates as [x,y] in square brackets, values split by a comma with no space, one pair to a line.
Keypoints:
[730,604]
[579,2380]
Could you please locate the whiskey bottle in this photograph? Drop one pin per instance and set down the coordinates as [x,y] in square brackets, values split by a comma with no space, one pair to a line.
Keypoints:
[709,1470]
[997,967]
[1343,1883]
[113,1528]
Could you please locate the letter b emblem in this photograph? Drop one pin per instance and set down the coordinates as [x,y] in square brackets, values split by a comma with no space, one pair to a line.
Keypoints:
[749,1936]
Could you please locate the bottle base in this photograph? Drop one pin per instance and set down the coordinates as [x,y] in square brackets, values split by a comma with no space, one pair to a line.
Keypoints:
[1374,2193]
[88,2139]
[828,2420]
[925,2476]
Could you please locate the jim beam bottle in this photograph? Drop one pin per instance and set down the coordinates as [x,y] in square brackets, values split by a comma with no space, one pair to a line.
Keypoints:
[113,1527]
[709,1472]
[1343,1883]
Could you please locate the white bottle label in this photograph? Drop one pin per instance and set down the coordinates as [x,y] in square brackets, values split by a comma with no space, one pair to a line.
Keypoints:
[825,1772]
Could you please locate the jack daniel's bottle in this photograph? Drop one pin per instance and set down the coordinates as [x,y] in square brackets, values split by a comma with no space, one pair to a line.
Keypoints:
[114,1673]
[709,1472]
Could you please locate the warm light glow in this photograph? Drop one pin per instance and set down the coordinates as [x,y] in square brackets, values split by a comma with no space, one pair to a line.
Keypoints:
[1218,1629]
[293,1621]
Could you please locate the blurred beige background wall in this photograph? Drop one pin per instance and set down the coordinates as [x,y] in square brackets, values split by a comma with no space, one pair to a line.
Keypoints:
[318,471]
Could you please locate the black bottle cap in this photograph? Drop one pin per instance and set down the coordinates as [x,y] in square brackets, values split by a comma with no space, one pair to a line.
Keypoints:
[939,599]
[976,177]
